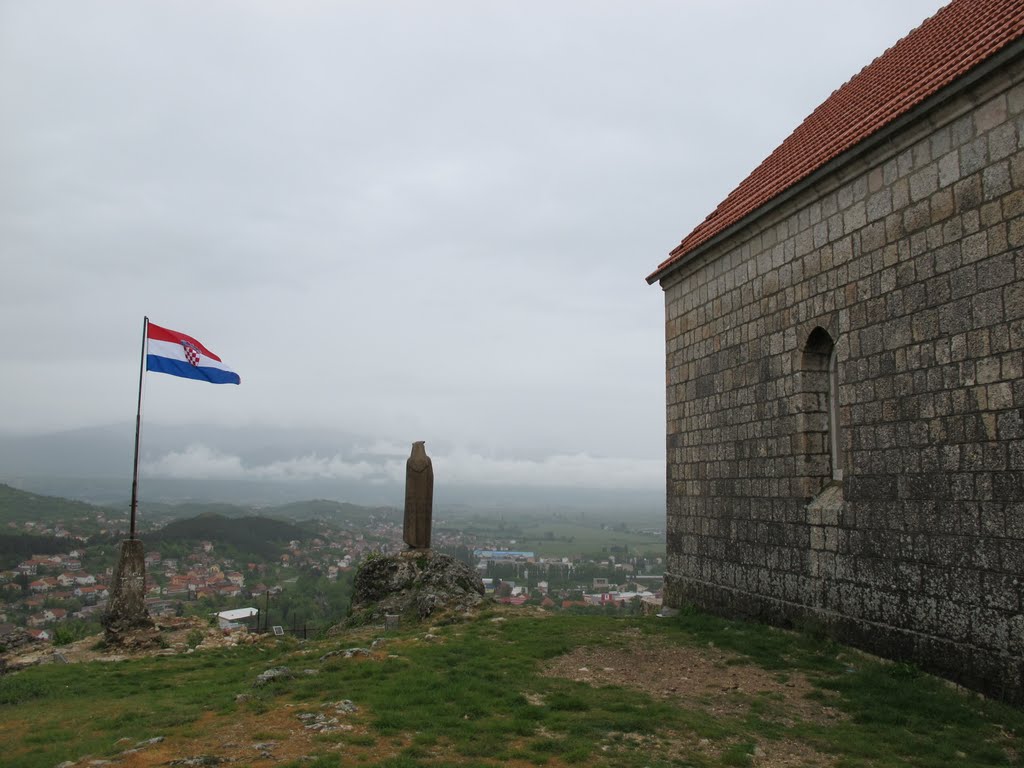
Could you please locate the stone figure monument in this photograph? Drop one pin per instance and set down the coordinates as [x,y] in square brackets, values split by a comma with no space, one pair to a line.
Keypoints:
[418,582]
[419,497]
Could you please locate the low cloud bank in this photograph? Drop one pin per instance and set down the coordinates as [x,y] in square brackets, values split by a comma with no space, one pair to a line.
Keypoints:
[581,470]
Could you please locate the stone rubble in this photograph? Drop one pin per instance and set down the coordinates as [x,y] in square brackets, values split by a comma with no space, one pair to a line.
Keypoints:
[273,675]
[326,723]
[345,706]
[348,653]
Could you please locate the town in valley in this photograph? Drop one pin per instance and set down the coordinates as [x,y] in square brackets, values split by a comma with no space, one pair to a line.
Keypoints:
[258,572]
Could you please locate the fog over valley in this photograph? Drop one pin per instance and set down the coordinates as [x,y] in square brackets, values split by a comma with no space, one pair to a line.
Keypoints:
[265,464]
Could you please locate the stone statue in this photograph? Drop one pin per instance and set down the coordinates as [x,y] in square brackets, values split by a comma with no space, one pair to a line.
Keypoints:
[419,497]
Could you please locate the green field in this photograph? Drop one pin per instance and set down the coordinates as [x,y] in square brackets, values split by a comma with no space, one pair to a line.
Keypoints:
[576,538]
[510,688]
[563,537]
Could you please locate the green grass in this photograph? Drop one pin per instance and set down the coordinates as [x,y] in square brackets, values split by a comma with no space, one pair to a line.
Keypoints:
[550,538]
[81,709]
[588,538]
[469,696]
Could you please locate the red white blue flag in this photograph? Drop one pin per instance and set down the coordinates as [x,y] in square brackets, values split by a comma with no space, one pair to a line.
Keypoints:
[178,354]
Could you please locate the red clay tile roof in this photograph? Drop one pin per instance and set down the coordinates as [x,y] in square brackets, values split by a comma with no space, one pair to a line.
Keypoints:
[960,36]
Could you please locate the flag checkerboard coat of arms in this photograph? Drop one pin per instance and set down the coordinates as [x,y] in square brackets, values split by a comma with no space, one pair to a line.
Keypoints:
[191,353]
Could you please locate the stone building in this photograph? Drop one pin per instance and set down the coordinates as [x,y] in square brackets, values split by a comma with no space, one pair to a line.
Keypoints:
[845,365]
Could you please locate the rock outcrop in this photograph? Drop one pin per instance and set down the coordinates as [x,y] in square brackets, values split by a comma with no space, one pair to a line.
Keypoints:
[415,585]
[13,638]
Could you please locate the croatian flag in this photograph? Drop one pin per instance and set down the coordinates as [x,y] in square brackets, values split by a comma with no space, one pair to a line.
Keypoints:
[175,353]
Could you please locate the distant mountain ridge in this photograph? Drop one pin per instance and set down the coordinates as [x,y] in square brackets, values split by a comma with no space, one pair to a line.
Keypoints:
[333,511]
[19,506]
[338,512]
[263,532]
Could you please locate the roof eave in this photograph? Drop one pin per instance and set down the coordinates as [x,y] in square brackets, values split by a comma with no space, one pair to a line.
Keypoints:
[1011,51]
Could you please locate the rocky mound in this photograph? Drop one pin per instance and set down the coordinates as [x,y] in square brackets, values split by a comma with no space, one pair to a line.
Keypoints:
[12,638]
[413,585]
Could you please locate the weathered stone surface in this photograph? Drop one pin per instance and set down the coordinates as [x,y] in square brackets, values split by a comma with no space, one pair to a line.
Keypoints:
[909,258]
[126,622]
[414,585]
[348,653]
[324,722]
[419,497]
[14,638]
[273,675]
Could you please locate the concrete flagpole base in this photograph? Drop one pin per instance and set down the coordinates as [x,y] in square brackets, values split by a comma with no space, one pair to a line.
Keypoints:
[127,622]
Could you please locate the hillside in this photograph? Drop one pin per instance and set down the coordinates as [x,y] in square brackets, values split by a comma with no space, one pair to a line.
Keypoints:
[254,534]
[18,506]
[17,547]
[510,688]
[337,512]
[158,512]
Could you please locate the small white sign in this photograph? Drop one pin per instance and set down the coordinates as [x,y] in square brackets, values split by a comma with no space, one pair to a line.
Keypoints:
[279,631]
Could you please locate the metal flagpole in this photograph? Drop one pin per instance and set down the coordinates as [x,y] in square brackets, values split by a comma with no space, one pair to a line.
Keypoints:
[138,429]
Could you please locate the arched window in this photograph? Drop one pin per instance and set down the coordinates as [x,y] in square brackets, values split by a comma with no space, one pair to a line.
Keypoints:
[821,428]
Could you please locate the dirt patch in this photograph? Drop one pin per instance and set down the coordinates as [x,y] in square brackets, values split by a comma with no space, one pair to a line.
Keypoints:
[717,681]
[708,679]
[256,740]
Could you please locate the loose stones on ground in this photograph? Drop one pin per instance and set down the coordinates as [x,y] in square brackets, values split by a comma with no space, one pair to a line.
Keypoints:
[325,722]
[273,675]
[348,653]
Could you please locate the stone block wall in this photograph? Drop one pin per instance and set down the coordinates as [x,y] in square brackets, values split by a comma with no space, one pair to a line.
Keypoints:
[909,260]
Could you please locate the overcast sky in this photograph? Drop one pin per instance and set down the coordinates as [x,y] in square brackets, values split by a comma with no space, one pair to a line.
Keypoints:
[405,220]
